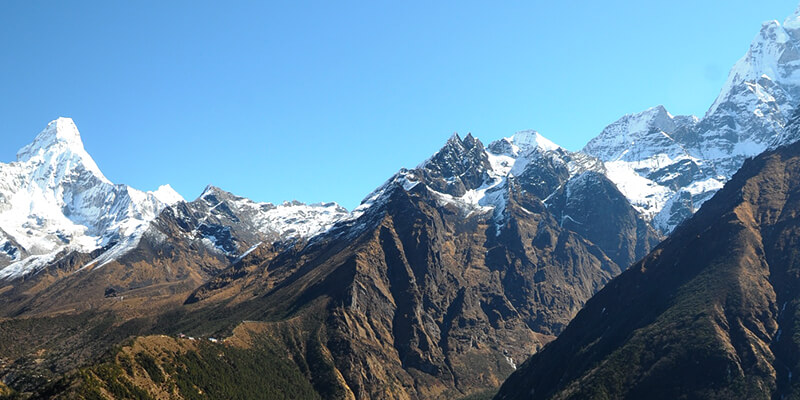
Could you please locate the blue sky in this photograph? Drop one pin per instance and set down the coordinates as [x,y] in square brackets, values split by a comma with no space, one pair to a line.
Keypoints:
[323,101]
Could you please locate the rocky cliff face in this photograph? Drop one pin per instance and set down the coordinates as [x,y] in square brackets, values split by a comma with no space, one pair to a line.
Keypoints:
[470,261]
[710,313]
[449,273]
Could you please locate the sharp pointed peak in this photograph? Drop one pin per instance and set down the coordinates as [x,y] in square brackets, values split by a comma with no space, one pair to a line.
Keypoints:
[60,132]
[218,194]
[471,141]
[454,138]
[467,142]
[57,142]
[210,190]
[659,109]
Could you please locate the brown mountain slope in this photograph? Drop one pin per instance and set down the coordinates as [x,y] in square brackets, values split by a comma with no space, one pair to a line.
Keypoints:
[424,293]
[422,299]
[159,272]
[712,312]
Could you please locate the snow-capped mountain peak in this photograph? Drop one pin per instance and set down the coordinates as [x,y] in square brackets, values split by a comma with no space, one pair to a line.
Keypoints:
[59,131]
[668,165]
[522,143]
[773,59]
[287,221]
[636,136]
[530,139]
[54,199]
[167,195]
[58,148]
[792,22]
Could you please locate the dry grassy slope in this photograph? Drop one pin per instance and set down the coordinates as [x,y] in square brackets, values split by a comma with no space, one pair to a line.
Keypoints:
[73,314]
[711,313]
[286,359]
[163,367]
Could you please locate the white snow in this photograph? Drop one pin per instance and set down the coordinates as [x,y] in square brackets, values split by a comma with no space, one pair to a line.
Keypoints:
[250,250]
[55,199]
[528,140]
[645,196]
[511,362]
[289,220]
[167,195]
[747,117]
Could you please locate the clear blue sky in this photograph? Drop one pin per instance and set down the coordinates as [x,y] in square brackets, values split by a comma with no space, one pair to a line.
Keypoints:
[323,101]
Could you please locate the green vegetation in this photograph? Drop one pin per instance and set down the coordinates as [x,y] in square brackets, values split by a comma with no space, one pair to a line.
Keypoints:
[112,379]
[218,371]
[149,364]
[209,371]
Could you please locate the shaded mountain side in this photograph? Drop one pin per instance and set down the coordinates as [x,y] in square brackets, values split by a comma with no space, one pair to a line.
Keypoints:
[592,206]
[424,302]
[712,312]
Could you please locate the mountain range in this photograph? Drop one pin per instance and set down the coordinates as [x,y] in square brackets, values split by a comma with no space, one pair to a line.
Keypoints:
[441,282]
[710,313]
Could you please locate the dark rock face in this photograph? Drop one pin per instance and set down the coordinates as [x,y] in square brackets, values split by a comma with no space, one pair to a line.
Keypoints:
[710,313]
[591,206]
[446,277]
[459,166]
[427,297]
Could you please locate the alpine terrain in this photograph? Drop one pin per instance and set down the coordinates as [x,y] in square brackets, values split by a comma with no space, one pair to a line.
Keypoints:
[668,166]
[476,258]
[441,282]
[711,313]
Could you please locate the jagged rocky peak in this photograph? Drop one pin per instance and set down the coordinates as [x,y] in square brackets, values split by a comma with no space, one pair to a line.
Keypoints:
[459,166]
[267,221]
[213,195]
